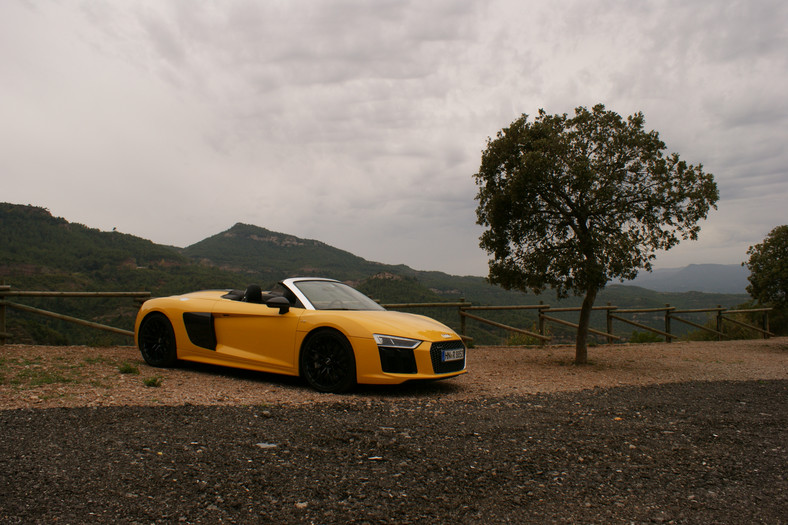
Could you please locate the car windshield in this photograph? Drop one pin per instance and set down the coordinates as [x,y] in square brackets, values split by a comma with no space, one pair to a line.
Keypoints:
[329,295]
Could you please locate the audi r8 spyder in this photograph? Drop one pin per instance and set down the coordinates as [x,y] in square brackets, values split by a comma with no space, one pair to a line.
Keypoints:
[320,329]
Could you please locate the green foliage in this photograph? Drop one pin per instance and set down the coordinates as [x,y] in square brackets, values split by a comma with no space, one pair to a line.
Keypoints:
[572,203]
[519,339]
[778,322]
[732,330]
[776,319]
[645,337]
[393,288]
[768,265]
[701,335]
[56,243]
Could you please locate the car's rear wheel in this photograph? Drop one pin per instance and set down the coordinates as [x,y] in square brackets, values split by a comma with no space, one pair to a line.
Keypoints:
[327,362]
[157,341]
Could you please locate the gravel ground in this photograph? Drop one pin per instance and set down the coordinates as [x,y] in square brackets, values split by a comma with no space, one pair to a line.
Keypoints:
[67,376]
[670,451]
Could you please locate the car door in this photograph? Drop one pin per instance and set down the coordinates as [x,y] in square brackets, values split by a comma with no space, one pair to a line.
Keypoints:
[256,334]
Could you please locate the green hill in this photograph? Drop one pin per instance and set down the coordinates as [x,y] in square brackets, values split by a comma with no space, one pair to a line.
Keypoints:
[42,252]
[265,256]
[30,236]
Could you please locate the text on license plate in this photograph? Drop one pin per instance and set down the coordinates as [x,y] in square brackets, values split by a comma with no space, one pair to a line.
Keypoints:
[453,355]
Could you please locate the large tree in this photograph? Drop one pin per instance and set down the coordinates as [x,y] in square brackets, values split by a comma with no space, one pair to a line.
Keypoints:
[768,265]
[571,203]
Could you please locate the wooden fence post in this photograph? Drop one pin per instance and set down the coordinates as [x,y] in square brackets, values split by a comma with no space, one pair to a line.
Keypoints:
[668,339]
[462,319]
[3,334]
[766,324]
[719,322]
[610,322]
[542,323]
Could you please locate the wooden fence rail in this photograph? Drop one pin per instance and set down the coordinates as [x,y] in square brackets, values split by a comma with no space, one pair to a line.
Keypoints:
[464,308]
[6,291]
[612,313]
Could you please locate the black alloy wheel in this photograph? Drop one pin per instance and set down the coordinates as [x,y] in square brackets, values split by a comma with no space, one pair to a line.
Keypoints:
[327,362]
[157,341]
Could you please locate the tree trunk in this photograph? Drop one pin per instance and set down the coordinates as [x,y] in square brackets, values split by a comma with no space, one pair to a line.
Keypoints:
[581,347]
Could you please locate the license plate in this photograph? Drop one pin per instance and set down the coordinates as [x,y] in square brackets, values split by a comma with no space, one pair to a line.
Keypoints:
[453,355]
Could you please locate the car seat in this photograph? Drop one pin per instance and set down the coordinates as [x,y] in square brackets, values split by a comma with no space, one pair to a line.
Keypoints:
[253,294]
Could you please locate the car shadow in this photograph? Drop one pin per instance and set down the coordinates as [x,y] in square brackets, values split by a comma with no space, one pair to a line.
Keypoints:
[422,388]
[207,369]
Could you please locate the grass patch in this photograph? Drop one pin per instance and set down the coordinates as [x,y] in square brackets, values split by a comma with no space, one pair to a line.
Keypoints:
[31,372]
[33,377]
[153,382]
[128,368]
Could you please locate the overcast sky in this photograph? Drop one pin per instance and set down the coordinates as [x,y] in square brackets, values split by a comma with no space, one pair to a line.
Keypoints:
[361,123]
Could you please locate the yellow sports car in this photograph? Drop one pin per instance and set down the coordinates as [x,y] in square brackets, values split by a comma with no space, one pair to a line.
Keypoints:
[321,329]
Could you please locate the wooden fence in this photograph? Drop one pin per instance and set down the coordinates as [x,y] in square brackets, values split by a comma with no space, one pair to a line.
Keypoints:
[6,291]
[612,313]
[466,310]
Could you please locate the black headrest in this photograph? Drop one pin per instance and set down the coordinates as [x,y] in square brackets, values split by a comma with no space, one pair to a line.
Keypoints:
[253,294]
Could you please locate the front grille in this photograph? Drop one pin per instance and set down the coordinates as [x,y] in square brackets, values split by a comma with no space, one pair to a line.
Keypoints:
[436,350]
[397,360]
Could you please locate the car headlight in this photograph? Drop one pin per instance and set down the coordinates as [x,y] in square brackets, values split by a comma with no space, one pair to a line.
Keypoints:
[390,341]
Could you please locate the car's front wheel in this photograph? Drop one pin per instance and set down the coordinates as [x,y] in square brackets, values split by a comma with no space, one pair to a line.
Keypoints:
[327,362]
[157,341]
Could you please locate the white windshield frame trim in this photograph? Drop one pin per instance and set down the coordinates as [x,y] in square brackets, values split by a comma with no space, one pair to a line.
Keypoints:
[291,285]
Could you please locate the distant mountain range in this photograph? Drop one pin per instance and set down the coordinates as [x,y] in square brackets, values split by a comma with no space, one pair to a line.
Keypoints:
[42,252]
[710,278]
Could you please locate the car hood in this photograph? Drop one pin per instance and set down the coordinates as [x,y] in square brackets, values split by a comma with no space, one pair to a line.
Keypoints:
[403,325]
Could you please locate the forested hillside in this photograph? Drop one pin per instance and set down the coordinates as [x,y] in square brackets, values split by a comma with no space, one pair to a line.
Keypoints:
[265,256]
[42,252]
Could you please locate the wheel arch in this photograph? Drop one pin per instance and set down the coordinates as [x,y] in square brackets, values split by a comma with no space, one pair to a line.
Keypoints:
[143,316]
[315,331]
[327,361]
[159,344]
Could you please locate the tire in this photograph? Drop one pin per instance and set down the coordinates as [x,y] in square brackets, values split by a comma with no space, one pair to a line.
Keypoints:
[156,341]
[327,362]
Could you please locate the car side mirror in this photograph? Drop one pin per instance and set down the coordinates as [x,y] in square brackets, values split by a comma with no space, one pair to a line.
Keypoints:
[279,302]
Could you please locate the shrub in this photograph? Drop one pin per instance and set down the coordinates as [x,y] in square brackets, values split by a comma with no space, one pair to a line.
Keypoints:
[645,337]
[519,339]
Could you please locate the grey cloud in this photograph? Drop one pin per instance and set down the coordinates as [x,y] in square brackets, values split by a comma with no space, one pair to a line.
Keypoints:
[360,122]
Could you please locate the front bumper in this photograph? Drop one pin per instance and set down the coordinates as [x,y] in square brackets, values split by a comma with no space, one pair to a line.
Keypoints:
[382,365]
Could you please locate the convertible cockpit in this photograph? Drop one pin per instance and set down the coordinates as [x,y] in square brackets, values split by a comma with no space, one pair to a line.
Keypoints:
[254,294]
